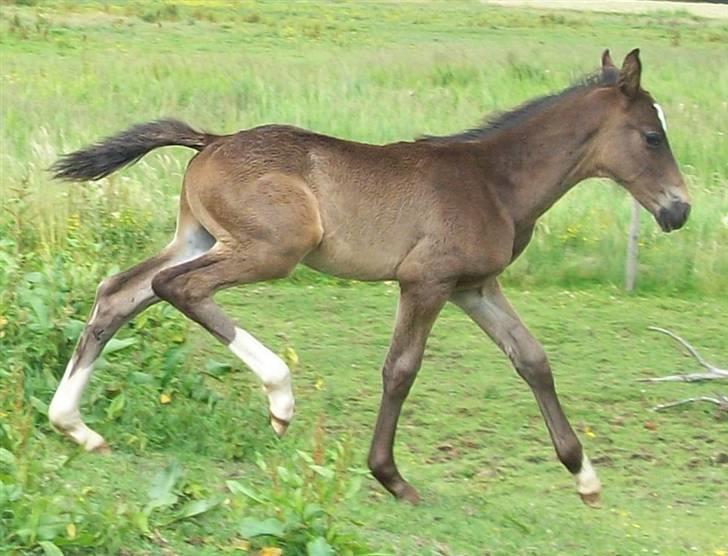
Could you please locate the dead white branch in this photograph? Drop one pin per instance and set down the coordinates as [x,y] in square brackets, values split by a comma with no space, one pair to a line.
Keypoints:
[633,236]
[718,399]
[713,372]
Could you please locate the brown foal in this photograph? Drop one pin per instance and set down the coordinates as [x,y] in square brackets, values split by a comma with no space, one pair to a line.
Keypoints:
[443,216]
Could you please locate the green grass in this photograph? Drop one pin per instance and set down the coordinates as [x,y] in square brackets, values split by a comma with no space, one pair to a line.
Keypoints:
[471,438]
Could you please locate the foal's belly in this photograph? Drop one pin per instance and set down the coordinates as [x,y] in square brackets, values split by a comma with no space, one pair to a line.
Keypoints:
[359,260]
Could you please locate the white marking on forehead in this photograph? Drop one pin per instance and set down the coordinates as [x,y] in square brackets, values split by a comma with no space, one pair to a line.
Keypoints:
[661,116]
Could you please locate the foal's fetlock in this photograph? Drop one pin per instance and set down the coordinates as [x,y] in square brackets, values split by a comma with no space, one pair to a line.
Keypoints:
[69,424]
[93,442]
[588,485]
[281,406]
[81,434]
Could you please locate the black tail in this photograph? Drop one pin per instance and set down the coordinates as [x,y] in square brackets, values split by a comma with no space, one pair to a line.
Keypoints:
[101,159]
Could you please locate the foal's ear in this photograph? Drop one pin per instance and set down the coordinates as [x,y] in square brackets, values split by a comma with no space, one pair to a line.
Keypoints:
[629,75]
[607,60]
[610,73]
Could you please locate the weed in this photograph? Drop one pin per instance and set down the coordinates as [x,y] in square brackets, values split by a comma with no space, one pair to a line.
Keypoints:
[300,509]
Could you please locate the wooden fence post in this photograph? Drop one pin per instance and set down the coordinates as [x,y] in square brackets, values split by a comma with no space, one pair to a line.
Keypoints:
[630,267]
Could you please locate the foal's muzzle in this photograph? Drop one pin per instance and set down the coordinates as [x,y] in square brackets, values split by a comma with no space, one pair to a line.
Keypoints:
[673,217]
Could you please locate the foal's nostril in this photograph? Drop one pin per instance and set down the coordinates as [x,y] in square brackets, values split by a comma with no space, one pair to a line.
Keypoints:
[686,212]
[674,217]
[682,211]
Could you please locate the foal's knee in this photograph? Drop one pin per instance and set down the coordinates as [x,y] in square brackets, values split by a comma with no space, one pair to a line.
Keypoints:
[530,360]
[534,366]
[399,373]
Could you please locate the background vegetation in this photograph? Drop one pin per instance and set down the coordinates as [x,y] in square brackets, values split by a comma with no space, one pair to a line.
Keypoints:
[195,469]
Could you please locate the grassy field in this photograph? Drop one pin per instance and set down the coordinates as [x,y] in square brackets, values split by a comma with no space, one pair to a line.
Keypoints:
[471,437]
[367,71]
[195,468]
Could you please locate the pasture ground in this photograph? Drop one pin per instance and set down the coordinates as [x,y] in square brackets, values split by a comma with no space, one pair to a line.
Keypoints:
[195,467]
[471,437]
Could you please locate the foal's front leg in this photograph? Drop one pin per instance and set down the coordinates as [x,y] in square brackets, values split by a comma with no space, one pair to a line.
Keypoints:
[419,305]
[492,312]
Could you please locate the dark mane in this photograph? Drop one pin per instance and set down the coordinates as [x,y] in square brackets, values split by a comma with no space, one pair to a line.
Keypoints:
[505,120]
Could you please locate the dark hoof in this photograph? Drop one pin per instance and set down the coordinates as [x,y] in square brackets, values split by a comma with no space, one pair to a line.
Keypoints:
[408,494]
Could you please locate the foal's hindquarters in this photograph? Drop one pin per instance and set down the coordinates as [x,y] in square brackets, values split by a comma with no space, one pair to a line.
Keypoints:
[236,225]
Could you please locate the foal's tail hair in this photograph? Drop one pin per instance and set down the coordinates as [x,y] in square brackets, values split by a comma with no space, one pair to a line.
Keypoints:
[104,157]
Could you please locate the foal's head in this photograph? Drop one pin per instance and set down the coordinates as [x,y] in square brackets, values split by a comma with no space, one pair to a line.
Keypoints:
[633,150]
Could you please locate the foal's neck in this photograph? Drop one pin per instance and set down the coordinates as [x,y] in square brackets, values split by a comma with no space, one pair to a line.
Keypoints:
[537,161]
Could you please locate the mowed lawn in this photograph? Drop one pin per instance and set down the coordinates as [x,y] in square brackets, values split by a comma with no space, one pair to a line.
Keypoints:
[176,406]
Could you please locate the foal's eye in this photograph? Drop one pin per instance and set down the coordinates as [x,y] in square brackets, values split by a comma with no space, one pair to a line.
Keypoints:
[653,139]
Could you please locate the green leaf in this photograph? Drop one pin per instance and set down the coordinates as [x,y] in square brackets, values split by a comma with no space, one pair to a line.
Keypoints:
[283,474]
[325,472]
[319,547]
[354,487]
[197,507]
[115,407]
[50,549]
[7,457]
[311,511]
[72,329]
[116,344]
[161,490]
[41,311]
[139,377]
[216,369]
[166,500]
[40,406]
[194,508]
[236,488]
[251,527]
[141,520]
[33,277]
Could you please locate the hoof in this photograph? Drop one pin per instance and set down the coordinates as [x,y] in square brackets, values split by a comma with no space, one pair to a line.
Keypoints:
[593,499]
[279,425]
[102,448]
[408,494]
[88,439]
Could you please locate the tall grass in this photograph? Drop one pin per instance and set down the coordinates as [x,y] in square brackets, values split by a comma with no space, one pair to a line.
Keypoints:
[54,102]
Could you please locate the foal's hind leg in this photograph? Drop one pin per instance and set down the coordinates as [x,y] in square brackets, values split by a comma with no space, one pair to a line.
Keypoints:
[261,234]
[492,312]
[118,299]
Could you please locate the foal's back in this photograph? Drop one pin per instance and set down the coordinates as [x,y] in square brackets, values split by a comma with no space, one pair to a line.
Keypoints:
[375,203]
